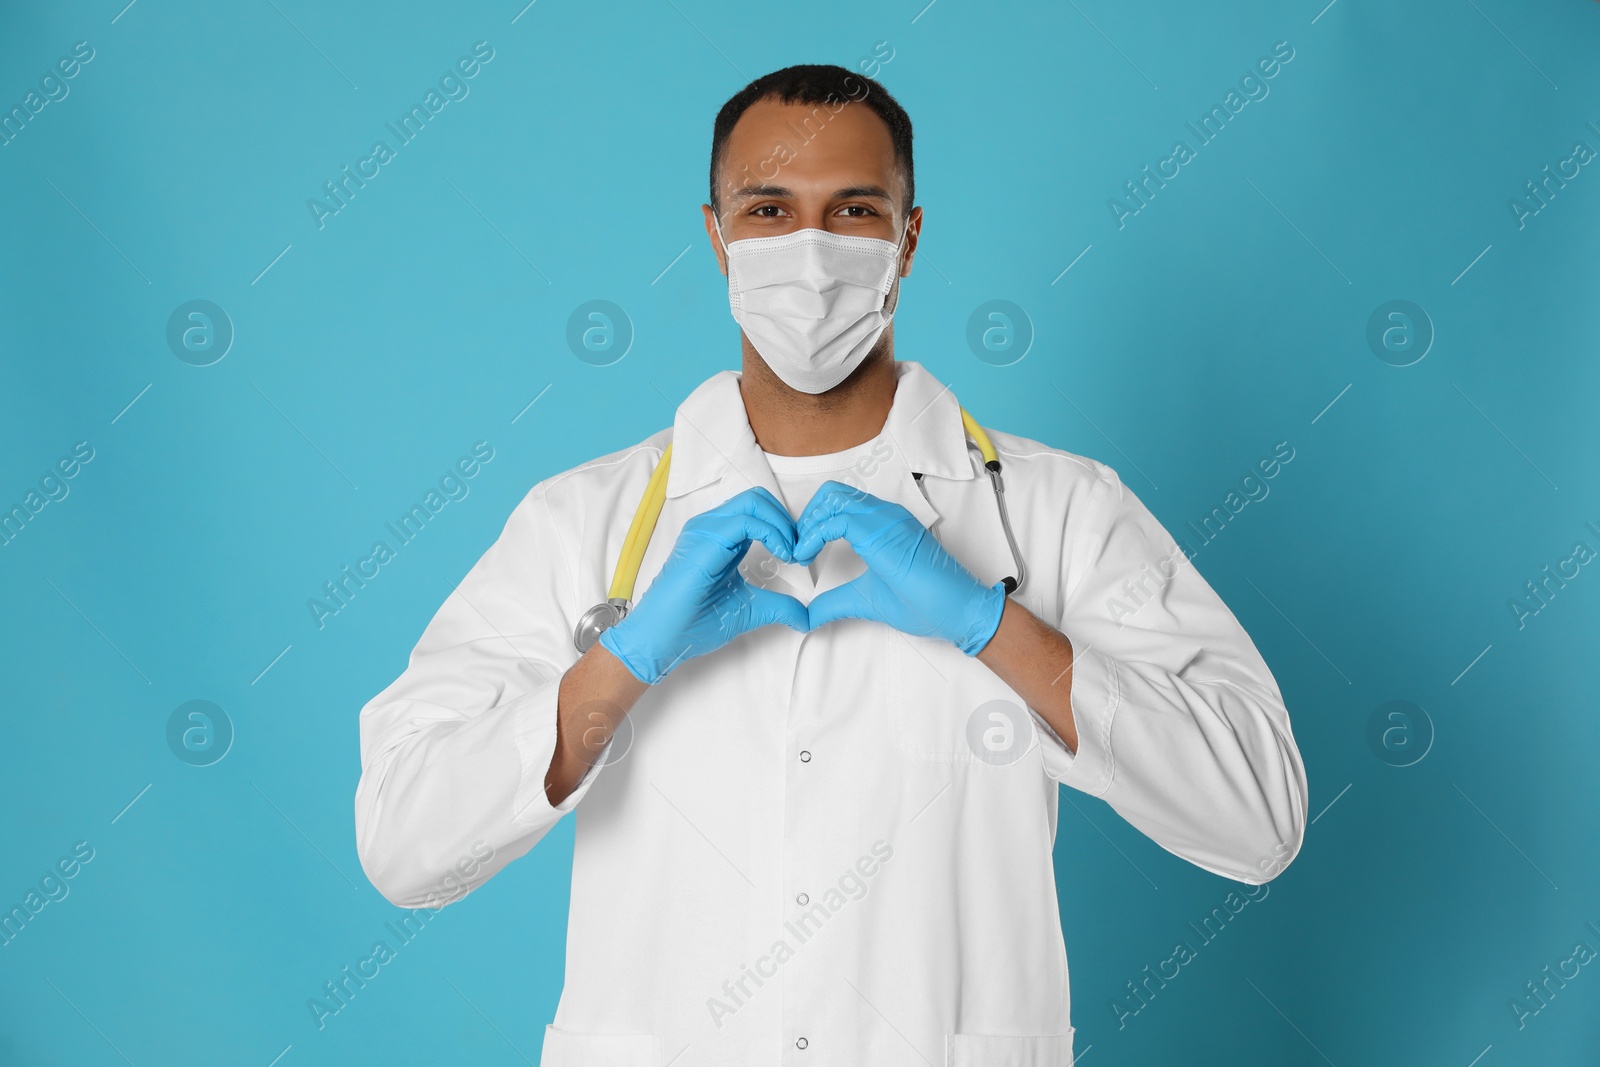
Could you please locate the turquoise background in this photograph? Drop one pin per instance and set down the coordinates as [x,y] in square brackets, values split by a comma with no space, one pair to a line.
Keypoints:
[1223,318]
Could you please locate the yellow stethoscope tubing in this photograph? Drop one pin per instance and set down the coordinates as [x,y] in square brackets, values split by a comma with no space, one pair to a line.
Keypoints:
[982,439]
[644,524]
[655,495]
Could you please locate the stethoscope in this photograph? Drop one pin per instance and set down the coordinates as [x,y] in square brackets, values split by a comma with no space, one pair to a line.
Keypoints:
[619,600]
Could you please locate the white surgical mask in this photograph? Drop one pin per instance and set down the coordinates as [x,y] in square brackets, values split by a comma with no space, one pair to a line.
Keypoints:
[811,302]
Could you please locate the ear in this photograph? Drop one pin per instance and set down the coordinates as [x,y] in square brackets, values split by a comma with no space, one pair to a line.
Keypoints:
[711,235]
[913,232]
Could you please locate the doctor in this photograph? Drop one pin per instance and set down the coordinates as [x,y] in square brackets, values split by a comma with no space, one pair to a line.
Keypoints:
[815,766]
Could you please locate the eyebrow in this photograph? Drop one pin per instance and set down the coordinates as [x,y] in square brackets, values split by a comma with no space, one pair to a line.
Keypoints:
[779,192]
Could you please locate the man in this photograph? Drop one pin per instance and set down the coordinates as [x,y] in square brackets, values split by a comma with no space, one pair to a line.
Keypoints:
[815,767]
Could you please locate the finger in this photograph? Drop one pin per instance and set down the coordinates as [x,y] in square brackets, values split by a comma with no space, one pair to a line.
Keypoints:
[813,535]
[853,515]
[769,607]
[848,601]
[758,501]
[733,534]
[758,498]
[826,517]
[835,491]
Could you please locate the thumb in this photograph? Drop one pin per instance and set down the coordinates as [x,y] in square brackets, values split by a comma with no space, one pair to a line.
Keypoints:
[848,601]
[767,607]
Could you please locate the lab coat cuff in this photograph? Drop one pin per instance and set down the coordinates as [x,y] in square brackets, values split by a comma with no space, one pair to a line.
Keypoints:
[535,738]
[1095,696]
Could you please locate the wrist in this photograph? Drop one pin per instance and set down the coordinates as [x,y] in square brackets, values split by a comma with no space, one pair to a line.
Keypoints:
[642,667]
[987,611]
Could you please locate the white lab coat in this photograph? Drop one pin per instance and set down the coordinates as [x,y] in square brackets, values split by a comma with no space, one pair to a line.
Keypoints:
[834,768]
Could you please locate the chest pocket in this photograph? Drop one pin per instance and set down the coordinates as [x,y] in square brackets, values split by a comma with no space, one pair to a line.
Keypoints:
[947,707]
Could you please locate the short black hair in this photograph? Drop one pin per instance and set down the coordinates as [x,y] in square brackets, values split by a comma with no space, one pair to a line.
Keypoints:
[818,83]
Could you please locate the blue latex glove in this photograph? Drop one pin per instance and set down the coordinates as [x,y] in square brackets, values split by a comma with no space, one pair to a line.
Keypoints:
[911,582]
[699,601]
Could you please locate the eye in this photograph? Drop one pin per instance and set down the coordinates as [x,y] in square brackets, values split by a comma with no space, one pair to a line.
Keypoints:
[865,211]
[767,211]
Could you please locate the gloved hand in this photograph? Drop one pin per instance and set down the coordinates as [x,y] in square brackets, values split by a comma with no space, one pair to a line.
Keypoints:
[911,582]
[699,601]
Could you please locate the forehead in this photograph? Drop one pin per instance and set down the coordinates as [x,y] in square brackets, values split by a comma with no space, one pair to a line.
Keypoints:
[809,145]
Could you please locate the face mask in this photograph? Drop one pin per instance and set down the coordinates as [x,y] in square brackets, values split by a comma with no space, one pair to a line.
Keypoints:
[811,302]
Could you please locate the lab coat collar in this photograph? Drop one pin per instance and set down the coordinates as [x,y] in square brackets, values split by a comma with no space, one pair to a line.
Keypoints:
[711,436]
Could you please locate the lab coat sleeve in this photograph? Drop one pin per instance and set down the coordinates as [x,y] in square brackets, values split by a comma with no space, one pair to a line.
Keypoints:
[1181,727]
[454,752]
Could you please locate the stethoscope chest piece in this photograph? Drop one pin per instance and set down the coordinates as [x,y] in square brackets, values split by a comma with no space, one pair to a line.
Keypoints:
[597,620]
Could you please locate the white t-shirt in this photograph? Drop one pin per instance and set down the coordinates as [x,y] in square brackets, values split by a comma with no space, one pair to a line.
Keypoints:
[799,477]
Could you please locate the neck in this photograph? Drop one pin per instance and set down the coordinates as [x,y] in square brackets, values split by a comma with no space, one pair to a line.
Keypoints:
[787,422]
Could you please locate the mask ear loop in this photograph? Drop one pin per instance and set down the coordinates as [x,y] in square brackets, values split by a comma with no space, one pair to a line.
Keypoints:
[718,225]
[899,250]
